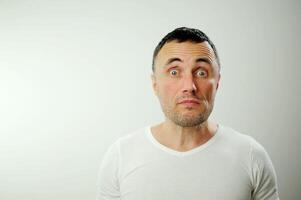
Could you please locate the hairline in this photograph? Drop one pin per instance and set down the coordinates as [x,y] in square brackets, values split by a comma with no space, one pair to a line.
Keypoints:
[156,52]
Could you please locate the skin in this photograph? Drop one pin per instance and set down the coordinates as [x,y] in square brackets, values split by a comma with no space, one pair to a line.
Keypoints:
[185,71]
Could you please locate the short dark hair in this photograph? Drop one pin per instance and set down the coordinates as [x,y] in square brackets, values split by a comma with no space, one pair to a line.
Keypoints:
[184,34]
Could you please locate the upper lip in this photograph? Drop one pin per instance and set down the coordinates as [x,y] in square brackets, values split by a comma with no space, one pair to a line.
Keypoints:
[189,101]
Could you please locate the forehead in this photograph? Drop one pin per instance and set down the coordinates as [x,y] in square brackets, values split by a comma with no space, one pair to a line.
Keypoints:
[185,50]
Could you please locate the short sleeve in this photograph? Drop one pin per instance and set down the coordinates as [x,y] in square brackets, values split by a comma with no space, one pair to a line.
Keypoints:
[107,182]
[264,178]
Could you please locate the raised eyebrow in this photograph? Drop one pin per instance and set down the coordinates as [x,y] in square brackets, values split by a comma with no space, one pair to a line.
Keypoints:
[206,60]
[170,60]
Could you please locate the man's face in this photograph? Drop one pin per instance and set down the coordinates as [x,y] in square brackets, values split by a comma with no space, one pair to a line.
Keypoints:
[185,80]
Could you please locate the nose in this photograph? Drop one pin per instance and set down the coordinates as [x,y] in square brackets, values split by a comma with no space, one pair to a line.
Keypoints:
[189,85]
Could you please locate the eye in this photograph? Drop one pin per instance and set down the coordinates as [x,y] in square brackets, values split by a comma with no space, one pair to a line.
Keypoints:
[173,72]
[201,73]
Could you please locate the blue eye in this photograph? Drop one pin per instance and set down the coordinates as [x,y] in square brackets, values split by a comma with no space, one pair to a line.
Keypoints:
[173,72]
[201,73]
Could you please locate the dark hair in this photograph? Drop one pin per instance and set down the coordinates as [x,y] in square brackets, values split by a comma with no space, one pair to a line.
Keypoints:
[184,34]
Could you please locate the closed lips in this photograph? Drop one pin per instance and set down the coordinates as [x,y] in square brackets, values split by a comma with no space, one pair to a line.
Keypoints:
[190,101]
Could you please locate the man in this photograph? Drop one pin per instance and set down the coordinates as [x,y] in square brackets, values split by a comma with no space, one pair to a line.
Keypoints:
[186,157]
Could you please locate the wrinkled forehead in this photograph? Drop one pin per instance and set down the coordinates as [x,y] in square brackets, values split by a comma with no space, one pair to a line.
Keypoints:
[186,51]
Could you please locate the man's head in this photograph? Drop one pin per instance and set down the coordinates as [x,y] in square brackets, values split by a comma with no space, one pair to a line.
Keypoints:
[184,34]
[186,76]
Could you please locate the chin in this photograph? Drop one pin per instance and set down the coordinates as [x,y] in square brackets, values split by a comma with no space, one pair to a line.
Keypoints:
[189,122]
[188,119]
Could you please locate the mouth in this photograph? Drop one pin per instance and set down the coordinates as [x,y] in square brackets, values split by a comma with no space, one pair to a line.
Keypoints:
[189,102]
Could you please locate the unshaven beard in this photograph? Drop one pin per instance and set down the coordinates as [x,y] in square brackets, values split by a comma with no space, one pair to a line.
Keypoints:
[187,120]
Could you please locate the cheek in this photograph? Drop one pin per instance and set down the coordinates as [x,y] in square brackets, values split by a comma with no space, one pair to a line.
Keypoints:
[167,91]
[208,89]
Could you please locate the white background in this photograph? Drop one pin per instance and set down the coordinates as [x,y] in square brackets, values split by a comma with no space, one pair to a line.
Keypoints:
[75,76]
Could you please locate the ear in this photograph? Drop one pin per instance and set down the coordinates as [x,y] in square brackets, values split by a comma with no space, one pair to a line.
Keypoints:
[218,80]
[154,83]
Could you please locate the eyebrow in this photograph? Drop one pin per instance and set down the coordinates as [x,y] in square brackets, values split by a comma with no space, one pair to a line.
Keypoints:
[170,60]
[206,60]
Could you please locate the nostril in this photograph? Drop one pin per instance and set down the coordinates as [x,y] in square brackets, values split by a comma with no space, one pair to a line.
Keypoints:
[189,87]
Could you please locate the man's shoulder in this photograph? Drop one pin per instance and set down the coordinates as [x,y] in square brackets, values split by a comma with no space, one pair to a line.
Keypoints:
[133,137]
[231,133]
[238,138]
[128,141]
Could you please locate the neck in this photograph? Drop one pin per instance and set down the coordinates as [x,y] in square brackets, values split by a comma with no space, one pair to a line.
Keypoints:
[183,138]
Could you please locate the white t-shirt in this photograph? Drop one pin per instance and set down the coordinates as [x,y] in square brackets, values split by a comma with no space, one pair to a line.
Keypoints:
[229,166]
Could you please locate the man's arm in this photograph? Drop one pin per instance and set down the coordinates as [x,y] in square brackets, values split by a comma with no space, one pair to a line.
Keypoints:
[263,174]
[108,183]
